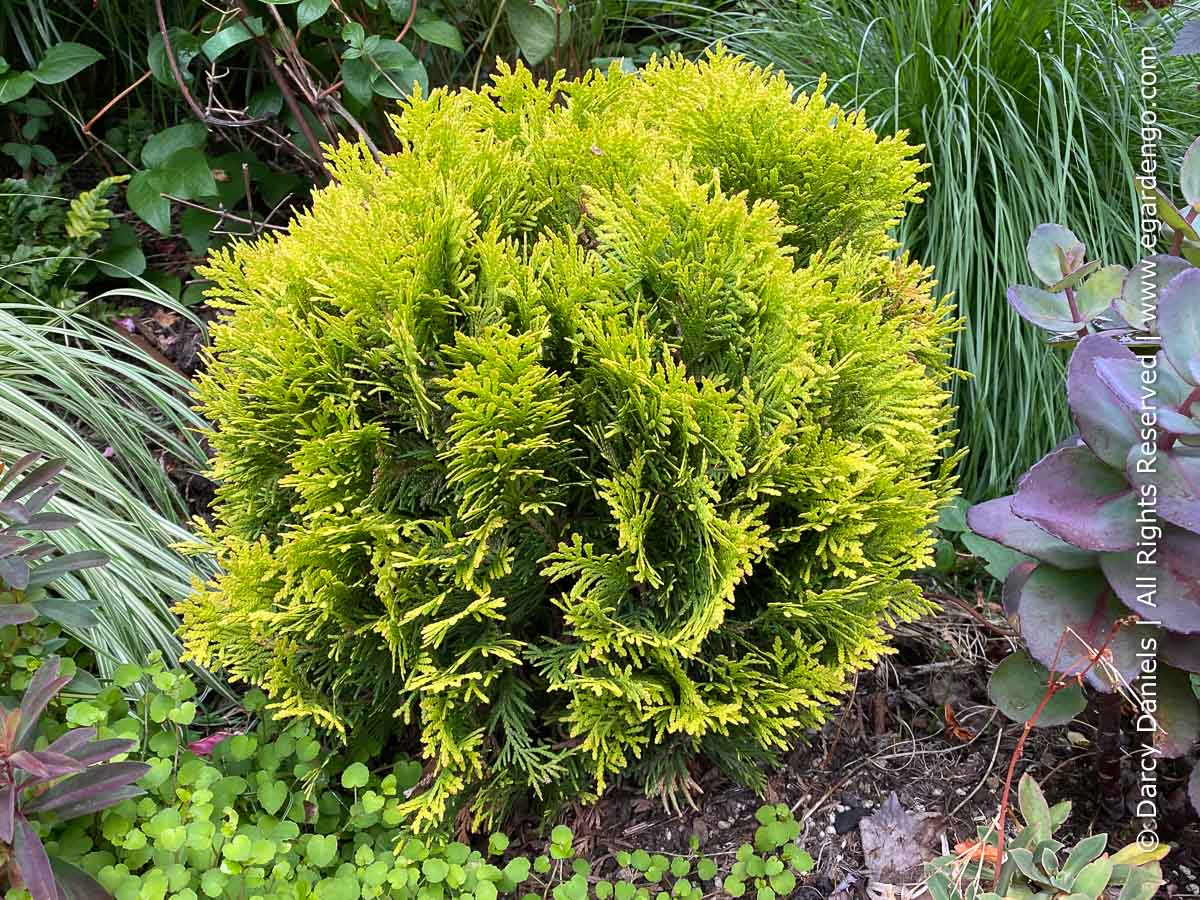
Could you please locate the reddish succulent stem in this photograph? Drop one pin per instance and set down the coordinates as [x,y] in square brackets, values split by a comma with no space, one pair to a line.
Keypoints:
[1055,685]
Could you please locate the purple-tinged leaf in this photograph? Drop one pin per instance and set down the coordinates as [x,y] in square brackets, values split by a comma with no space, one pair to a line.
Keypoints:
[996,521]
[43,474]
[1172,217]
[1098,292]
[1179,650]
[1176,483]
[68,562]
[45,764]
[92,790]
[1166,585]
[1043,309]
[1076,276]
[1189,175]
[1106,422]
[70,613]
[1073,495]
[13,511]
[72,740]
[18,467]
[8,813]
[41,690]
[1178,714]
[16,614]
[49,522]
[1065,619]
[1048,246]
[75,884]
[14,573]
[44,495]
[37,551]
[1187,42]
[101,751]
[1020,684]
[1127,378]
[1194,783]
[12,543]
[1010,598]
[1144,286]
[32,862]
[1179,324]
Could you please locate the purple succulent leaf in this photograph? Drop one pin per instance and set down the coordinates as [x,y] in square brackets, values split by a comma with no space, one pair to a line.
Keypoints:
[1194,780]
[1175,477]
[1073,495]
[1047,247]
[8,813]
[14,572]
[1143,288]
[92,790]
[101,751]
[1066,616]
[1106,422]
[72,740]
[1179,324]
[996,521]
[1179,650]
[1048,311]
[32,862]
[1178,714]
[1168,394]
[18,467]
[16,614]
[75,884]
[1013,585]
[45,764]
[45,683]
[1170,589]
[1098,293]
[1189,175]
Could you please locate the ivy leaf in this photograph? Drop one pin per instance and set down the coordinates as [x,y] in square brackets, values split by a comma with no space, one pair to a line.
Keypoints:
[63,61]
[440,32]
[144,196]
[160,147]
[15,86]
[187,174]
[310,11]
[537,28]
[228,38]
[186,47]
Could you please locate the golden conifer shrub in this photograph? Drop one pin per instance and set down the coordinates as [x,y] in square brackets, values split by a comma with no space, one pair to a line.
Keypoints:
[594,431]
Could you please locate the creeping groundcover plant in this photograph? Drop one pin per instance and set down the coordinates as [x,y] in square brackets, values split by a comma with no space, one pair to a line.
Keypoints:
[592,432]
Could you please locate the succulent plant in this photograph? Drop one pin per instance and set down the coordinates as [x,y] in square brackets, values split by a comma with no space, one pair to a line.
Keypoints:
[68,778]
[1039,867]
[28,566]
[1108,523]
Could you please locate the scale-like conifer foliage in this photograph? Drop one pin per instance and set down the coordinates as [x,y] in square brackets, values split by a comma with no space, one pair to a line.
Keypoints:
[594,431]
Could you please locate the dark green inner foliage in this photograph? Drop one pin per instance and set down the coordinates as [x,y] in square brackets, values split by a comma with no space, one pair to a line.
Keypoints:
[594,431]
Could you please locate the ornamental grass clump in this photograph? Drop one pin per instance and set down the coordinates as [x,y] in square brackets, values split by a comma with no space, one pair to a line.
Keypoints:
[593,431]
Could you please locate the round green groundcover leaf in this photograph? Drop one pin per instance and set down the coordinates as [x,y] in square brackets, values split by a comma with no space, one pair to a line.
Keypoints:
[1020,684]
